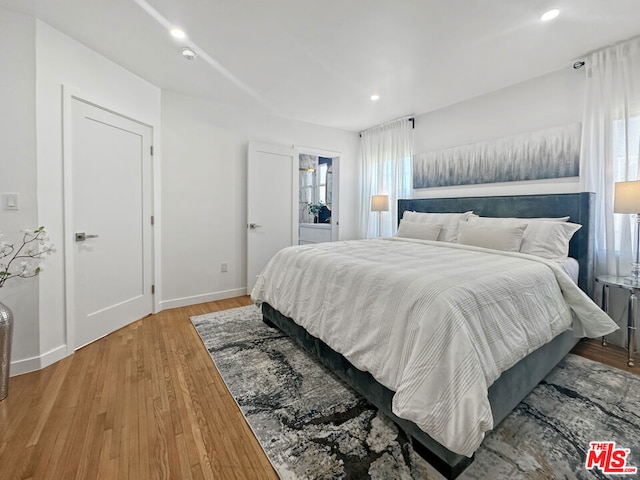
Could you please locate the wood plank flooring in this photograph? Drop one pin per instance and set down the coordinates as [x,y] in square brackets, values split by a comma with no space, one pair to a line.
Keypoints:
[613,355]
[142,403]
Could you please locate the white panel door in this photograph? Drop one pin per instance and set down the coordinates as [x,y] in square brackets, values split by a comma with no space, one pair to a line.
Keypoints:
[272,208]
[111,203]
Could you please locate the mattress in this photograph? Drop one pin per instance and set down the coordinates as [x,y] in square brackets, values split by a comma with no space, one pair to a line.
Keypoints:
[434,322]
[571,267]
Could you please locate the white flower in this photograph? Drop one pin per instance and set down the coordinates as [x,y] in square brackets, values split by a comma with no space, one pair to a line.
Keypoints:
[26,255]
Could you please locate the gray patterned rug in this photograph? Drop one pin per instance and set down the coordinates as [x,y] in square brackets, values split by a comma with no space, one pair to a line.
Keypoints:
[312,426]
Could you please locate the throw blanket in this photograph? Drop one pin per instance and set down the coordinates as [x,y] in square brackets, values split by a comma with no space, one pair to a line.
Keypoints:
[435,322]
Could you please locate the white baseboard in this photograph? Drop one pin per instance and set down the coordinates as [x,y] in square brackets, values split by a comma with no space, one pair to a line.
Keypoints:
[207,297]
[32,364]
[37,363]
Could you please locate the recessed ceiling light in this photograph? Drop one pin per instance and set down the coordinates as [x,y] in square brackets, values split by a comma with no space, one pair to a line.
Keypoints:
[188,53]
[375,97]
[550,15]
[178,33]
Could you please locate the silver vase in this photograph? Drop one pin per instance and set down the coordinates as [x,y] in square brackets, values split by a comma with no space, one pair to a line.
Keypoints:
[6,333]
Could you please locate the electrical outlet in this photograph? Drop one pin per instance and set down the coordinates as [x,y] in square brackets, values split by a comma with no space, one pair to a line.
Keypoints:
[224,267]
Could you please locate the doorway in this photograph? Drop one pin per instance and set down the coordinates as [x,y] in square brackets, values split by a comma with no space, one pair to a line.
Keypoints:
[318,219]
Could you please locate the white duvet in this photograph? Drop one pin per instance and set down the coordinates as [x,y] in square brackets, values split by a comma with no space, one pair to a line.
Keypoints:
[435,322]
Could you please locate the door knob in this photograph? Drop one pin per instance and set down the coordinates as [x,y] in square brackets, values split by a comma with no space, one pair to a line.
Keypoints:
[253,226]
[81,236]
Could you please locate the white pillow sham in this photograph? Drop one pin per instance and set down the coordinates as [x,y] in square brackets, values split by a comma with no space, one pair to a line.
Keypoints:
[507,239]
[549,239]
[422,231]
[448,221]
[544,237]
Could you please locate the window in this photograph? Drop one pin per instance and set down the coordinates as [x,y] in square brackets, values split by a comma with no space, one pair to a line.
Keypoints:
[625,148]
[322,181]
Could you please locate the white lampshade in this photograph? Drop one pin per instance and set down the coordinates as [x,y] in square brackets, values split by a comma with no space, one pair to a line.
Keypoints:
[626,198]
[380,203]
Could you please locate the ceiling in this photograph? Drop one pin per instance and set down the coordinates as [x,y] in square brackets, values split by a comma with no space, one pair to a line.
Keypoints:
[319,61]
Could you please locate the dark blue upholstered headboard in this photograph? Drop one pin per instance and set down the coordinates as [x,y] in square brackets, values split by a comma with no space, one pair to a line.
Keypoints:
[580,208]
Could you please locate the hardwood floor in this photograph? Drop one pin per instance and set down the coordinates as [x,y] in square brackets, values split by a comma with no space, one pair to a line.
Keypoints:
[613,355]
[143,403]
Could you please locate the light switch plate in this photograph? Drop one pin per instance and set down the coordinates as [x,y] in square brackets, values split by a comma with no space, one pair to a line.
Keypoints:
[10,201]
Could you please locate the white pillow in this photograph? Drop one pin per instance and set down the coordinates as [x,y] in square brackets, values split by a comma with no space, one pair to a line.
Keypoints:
[549,239]
[507,239]
[544,237]
[448,221]
[422,231]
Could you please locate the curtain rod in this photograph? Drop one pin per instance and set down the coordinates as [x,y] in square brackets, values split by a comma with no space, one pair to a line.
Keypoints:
[410,119]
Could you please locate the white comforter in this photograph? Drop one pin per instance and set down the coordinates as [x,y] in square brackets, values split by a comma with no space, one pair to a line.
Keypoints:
[435,322]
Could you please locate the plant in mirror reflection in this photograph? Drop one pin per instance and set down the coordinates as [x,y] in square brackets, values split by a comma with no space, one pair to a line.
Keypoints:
[22,259]
[314,208]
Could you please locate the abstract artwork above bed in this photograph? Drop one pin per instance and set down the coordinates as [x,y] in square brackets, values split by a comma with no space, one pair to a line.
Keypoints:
[552,153]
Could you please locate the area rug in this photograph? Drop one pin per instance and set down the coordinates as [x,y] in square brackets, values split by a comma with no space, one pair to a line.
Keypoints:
[313,426]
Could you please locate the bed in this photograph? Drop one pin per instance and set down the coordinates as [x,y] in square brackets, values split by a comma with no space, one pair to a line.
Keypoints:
[509,386]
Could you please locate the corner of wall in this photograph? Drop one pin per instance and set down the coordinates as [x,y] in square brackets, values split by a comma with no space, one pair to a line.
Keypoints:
[18,165]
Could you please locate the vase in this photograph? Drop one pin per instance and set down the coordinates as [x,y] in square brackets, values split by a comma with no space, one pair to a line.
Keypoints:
[6,333]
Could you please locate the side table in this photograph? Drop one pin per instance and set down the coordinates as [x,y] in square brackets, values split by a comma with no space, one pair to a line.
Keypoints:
[609,281]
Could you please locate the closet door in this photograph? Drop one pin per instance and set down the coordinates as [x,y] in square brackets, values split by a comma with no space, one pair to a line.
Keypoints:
[272,209]
[108,206]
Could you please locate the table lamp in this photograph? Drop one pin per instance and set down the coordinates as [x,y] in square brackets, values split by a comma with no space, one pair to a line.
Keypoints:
[627,200]
[380,203]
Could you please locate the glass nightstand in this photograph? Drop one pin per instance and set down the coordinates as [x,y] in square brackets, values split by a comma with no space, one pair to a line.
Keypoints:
[608,281]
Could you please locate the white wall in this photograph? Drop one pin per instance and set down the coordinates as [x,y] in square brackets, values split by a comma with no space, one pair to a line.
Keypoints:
[204,195]
[552,100]
[18,166]
[61,60]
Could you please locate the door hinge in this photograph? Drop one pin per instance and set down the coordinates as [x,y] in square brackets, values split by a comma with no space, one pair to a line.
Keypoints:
[153,220]
[153,289]
[152,150]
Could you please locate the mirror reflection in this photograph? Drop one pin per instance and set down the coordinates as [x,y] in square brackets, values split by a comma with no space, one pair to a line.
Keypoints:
[315,187]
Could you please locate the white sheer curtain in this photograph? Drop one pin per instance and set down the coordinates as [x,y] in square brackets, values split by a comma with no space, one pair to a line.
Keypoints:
[385,168]
[610,142]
